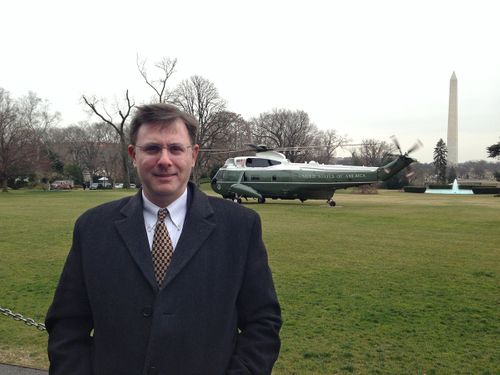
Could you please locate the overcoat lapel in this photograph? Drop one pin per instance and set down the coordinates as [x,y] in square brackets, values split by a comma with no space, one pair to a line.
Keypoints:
[197,228]
[131,229]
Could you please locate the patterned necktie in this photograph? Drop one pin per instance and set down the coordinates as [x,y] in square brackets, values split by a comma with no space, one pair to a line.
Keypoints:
[162,250]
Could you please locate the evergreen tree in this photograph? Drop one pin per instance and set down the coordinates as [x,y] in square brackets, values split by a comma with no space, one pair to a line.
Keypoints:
[440,154]
[494,150]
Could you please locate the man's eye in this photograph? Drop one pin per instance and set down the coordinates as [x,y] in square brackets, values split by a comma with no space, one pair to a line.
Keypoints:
[152,149]
[176,149]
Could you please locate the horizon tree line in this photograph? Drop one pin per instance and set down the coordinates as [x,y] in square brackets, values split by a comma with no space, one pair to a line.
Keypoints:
[32,145]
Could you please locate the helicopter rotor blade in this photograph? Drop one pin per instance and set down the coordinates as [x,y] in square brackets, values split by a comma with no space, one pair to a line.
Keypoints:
[259,148]
[415,147]
[396,143]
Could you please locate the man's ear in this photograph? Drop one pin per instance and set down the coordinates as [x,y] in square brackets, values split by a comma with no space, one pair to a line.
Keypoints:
[196,149]
[131,153]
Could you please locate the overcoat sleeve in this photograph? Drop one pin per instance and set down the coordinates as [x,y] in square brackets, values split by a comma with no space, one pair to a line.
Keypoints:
[69,319]
[259,315]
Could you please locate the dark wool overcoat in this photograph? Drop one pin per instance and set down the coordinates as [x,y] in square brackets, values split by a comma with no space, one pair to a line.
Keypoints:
[216,313]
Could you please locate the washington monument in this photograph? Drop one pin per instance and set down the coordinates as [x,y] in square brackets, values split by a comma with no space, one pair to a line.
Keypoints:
[453,123]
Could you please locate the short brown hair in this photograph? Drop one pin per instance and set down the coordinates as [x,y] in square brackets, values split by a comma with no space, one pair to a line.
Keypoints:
[161,113]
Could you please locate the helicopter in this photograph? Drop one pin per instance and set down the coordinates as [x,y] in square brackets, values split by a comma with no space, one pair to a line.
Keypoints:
[269,174]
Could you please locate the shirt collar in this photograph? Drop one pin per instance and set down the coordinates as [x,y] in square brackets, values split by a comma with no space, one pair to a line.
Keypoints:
[176,210]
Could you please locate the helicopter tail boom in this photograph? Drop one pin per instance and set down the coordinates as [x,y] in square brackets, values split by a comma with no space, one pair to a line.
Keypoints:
[387,171]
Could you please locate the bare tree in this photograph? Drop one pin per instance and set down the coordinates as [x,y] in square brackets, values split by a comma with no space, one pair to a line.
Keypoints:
[327,142]
[11,135]
[23,123]
[237,133]
[372,153]
[35,113]
[92,147]
[67,142]
[99,108]
[269,128]
[283,128]
[199,97]
[166,66]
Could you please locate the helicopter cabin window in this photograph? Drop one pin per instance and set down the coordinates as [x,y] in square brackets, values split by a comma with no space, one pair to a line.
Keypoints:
[255,178]
[229,162]
[274,178]
[259,162]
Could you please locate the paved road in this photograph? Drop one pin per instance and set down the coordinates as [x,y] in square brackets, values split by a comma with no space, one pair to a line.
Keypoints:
[16,370]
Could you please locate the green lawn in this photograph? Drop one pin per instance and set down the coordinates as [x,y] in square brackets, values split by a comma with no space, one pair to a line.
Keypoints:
[391,283]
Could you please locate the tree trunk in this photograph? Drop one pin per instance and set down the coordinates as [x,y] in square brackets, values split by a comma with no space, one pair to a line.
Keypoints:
[4,185]
[125,166]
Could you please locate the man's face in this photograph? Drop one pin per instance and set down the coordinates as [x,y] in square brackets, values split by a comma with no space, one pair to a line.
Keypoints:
[163,156]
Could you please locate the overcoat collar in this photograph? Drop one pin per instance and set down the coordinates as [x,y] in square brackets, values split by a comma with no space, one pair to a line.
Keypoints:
[198,226]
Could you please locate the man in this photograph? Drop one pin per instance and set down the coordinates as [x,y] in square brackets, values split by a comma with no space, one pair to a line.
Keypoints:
[146,291]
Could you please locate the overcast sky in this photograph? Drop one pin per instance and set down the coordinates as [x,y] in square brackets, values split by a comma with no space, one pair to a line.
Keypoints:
[368,69]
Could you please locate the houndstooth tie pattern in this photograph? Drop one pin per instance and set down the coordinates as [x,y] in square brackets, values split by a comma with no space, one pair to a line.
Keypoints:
[162,250]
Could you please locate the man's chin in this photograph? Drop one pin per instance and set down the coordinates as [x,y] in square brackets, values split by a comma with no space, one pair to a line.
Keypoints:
[164,188]
[161,195]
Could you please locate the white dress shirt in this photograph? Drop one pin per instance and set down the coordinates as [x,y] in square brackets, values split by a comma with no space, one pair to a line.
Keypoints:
[174,221]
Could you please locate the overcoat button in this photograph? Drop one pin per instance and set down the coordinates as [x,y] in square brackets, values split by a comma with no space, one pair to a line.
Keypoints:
[147,311]
[153,371]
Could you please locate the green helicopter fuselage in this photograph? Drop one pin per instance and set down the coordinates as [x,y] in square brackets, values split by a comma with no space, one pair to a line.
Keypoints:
[270,175]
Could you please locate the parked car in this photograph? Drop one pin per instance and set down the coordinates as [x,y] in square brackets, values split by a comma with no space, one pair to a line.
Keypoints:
[95,186]
[119,185]
[62,185]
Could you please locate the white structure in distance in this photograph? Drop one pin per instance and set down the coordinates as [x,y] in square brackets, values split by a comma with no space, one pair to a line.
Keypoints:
[452,143]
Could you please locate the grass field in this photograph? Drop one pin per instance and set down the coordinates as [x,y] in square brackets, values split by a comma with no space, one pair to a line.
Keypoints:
[391,283]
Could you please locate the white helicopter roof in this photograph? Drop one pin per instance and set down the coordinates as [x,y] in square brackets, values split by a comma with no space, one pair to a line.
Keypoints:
[273,155]
[278,161]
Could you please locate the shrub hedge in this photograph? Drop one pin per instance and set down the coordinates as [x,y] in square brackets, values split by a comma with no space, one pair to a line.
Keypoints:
[475,189]
[486,190]
[414,189]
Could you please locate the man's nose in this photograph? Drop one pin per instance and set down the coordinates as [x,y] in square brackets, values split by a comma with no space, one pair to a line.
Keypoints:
[164,157]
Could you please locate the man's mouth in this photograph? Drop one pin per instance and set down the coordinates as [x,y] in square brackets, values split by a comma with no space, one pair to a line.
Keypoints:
[165,175]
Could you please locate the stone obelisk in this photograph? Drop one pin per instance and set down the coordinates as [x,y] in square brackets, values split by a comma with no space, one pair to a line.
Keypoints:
[453,123]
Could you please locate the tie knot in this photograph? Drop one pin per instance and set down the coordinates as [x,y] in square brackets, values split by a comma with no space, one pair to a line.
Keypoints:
[162,214]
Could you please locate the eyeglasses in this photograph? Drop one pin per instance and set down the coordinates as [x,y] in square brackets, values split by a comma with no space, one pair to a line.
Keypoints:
[173,149]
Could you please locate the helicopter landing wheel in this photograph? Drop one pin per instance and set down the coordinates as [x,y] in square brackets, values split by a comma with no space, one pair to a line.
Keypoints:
[261,200]
[237,200]
[331,202]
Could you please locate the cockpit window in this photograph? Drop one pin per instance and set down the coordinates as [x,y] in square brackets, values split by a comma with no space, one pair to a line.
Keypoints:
[219,175]
[259,162]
